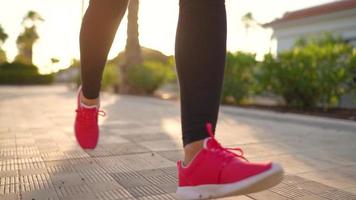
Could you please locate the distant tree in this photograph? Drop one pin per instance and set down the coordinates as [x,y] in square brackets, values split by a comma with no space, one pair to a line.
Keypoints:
[55,60]
[3,38]
[249,22]
[28,37]
[133,55]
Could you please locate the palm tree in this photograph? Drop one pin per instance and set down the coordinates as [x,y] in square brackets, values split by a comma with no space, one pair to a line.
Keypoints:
[249,21]
[28,37]
[3,38]
[133,49]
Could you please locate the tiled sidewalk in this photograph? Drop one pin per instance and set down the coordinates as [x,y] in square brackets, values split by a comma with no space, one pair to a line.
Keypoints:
[140,143]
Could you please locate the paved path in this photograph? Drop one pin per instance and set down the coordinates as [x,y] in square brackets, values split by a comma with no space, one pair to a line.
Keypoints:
[140,142]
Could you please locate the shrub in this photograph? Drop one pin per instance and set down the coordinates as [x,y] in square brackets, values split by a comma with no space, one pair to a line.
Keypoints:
[146,78]
[3,57]
[239,77]
[111,78]
[19,73]
[315,72]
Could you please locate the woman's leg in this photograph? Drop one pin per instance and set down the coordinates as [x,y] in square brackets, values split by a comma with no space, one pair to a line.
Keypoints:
[200,60]
[99,27]
[209,169]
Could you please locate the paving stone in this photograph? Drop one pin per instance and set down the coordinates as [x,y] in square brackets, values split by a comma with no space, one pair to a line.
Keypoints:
[75,154]
[11,173]
[121,125]
[293,180]
[236,198]
[65,192]
[172,155]
[291,191]
[25,172]
[170,170]
[162,179]
[147,190]
[267,195]
[8,152]
[8,180]
[314,187]
[170,187]
[53,155]
[8,167]
[162,145]
[10,197]
[126,175]
[7,142]
[136,156]
[351,190]
[104,186]
[95,177]
[90,170]
[113,138]
[30,162]
[27,151]
[35,182]
[332,178]
[98,152]
[133,182]
[151,173]
[59,167]
[26,141]
[82,161]
[108,161]
[47,194]
[9,189]
[146,137]
[310,197]
[338,195]
[67,179]
[125,148]
[11,161]
[114,194]
[135,162]
[148,161]
[157,197]
[86,196]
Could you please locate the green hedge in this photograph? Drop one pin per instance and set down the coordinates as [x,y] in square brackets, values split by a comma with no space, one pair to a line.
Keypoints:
[111,78]
[239,79]
[149,76]
[316,72]
[22,74]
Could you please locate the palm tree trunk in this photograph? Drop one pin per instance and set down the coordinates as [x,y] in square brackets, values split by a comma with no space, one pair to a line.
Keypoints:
[28,53]
[133,50]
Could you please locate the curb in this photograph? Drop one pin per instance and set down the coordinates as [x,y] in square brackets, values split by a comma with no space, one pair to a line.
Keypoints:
[322,122]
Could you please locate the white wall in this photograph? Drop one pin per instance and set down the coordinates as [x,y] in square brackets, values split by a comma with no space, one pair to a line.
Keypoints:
[341,23]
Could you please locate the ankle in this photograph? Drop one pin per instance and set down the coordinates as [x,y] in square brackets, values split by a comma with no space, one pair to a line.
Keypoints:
[191,150]
[88,102]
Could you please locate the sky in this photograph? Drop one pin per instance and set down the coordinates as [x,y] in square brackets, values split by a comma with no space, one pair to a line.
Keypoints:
[59,33]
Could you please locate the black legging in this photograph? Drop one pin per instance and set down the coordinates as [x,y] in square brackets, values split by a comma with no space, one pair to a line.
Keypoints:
[200,56]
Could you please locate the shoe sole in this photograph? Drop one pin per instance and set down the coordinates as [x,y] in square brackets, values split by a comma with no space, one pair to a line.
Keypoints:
[249,185]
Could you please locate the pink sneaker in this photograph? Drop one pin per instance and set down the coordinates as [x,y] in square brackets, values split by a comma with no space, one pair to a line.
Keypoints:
[218,172]
[86,124]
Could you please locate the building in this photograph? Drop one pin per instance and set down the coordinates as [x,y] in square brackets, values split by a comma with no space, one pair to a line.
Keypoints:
[338,17]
